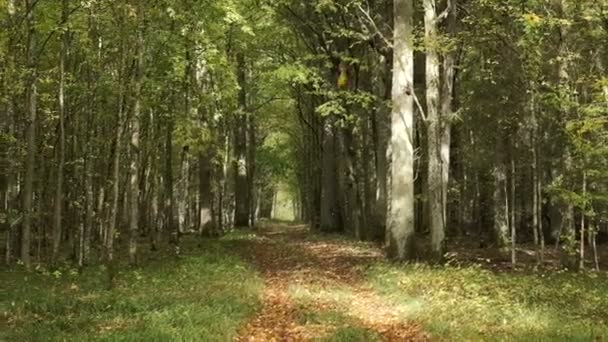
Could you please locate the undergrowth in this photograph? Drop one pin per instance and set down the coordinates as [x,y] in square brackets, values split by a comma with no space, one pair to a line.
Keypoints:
[205,294]
[476,304]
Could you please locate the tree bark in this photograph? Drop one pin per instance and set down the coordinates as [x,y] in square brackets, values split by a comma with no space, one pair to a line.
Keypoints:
[434,134]
[330,216]
[501,212]
[135,137]
[205,165]
[30,136]
[241,184]
[183,189]
[512,220]
[447,107]
[57,213]
[251,181]
[581,250]
[400,218]
[168,208]
[115,189]
[6,135]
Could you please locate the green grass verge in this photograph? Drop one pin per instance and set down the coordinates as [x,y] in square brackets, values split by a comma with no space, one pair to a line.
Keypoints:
[204,295]
[351,334]
[475,304]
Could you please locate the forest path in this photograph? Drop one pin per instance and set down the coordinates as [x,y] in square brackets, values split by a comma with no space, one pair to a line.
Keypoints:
[314,289]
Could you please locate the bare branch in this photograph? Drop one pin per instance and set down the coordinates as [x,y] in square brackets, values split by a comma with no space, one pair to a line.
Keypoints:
[448,8]
[422,113]
[374,26]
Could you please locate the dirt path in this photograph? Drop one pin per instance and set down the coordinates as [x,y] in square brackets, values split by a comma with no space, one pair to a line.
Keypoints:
[307,276]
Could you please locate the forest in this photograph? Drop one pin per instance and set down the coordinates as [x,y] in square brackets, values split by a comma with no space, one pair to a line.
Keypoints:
[321,170]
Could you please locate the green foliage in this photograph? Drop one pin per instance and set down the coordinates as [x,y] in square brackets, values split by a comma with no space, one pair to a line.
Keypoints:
[203,295]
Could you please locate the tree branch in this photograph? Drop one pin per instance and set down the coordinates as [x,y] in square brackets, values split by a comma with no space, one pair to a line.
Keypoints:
[374,26]
[446,12]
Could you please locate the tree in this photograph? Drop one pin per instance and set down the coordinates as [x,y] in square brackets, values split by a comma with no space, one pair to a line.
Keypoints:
[400,219]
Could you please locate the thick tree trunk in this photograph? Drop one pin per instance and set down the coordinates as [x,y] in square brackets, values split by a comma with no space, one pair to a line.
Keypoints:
[447,104]
[206,195]
[330,216]
[565,170]
[241,184]
[381,125]
[267,195]
[434,134]
[350,201]
[400,218]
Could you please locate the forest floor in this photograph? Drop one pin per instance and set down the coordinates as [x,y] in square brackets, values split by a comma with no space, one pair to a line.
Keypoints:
[282,283]
[315,290]
[331,288]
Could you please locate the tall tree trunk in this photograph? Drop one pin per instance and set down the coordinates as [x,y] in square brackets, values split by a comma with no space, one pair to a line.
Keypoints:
[57,213]
[6,135]
[85,235]
[593,242]
[30,136]
[513,212]
[400,218]
[206,195]
[115,189]
[581,255]
[535,199]
[183,189]
[330,217]
[351,209]
[501,212]
[539,211]
[447,110]
[368,178]
[381,125]
[135,137]
[251,151]
[168,208]
[434,134]
[563,79]
[241,184]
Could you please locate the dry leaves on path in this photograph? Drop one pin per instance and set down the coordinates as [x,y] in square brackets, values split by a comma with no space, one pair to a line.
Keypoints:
[287,257]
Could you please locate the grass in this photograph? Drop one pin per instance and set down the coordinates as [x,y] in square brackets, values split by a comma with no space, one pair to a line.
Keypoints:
[475,304]
[351,334]
[204,295]
[208,292]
